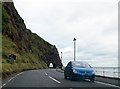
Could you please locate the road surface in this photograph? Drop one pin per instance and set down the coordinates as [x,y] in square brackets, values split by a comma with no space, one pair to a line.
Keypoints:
[52,78]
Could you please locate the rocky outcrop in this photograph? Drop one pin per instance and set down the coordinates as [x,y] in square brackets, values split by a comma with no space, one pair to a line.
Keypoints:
[26,42]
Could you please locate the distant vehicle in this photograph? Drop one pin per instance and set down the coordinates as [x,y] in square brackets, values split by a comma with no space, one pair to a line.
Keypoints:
[79,70]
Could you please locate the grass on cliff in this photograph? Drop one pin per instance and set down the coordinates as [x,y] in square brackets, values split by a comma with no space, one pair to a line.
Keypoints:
[5,17]
[0,54]
[25,61]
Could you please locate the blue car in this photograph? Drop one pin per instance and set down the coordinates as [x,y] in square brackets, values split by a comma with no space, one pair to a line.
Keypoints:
[79,70]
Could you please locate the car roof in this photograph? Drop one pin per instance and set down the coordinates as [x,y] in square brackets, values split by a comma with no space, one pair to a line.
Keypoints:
[78,62]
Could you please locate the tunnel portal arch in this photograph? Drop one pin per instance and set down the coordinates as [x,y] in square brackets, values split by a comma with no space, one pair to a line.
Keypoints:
[52,65]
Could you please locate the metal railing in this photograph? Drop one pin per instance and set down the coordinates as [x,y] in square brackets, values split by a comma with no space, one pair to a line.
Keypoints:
[113,72]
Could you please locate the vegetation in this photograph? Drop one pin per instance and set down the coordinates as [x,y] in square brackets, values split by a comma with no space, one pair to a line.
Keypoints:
[5,17]
[25,61]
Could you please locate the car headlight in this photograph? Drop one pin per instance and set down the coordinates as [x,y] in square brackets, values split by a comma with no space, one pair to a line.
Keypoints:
[75,71]
[93,72]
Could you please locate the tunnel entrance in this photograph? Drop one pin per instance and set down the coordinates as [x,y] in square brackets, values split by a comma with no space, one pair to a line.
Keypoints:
[52,65]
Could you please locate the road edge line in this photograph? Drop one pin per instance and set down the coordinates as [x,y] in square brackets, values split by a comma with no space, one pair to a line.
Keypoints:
[108,84]
[11,79]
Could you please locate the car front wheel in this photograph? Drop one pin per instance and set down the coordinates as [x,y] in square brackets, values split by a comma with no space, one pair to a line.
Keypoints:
[65,77]
[92,79]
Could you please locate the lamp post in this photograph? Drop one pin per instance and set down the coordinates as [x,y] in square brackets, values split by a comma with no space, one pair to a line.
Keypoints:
[61,56]
[74,48]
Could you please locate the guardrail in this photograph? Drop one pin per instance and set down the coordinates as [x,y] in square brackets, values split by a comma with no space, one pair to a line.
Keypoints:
[113,72]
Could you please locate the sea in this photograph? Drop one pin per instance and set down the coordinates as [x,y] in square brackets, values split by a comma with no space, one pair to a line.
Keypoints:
[108,71]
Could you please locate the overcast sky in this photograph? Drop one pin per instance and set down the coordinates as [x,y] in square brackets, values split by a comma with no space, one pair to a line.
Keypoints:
[94,23]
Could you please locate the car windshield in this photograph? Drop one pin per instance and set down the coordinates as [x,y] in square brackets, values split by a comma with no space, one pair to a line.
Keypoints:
[81,65]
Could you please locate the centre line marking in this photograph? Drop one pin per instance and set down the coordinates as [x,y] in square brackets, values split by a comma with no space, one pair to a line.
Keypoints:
[54,79]
[46,74]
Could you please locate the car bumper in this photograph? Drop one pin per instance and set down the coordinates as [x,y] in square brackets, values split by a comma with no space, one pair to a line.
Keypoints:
[83,76]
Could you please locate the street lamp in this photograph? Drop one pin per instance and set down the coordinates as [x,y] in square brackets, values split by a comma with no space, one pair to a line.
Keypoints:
[61,56]
[74,48]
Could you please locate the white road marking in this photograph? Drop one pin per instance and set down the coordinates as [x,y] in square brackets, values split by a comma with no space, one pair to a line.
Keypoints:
[107,84]
[11,79]
[54,79]
[46,74]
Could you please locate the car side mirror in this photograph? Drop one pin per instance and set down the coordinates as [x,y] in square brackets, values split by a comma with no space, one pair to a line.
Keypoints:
[91,67]
[69,66]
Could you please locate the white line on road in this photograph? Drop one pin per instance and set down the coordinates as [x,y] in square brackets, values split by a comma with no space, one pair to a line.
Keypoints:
[107,84]
[46,73]
[54,79]
[11,79]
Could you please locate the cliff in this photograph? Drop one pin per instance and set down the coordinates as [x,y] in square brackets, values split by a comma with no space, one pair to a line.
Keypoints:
[32,52]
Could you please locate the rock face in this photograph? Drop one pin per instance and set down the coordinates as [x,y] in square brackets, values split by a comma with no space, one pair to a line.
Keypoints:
[23,41]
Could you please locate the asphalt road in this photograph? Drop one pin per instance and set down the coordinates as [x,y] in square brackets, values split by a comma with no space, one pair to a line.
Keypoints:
[52,78]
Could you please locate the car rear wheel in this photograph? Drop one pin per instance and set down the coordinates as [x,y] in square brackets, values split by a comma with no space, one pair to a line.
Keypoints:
[65,77]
